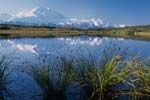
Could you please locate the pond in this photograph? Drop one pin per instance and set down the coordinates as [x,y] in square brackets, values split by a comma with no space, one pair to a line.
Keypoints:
[29,48]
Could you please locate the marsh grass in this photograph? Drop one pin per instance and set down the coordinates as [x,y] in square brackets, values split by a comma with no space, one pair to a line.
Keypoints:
[52,77]
[98,78]
[99,81]
[142,81]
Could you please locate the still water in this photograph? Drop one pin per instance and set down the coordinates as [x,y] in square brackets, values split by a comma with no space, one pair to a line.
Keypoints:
[29,48]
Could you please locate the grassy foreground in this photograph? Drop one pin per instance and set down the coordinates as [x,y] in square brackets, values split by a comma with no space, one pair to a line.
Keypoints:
[99,79]
[135,32]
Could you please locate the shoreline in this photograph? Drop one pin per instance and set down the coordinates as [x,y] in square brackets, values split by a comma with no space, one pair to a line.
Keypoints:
[134,32]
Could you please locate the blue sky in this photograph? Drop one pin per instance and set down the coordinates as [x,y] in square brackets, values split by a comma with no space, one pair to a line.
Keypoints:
[130,12]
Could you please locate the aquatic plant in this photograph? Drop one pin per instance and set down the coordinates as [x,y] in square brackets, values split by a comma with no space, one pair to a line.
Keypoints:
[52,77]
[99,82]
[100,79]
[142,81]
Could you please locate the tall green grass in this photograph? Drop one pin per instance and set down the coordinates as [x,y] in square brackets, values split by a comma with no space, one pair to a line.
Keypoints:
[98,81]
[52,77]
[142,81]
[98,78]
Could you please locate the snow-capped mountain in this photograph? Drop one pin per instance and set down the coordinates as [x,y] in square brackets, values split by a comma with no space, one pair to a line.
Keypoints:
[48,17]
[91,23]
[38,16]
[119,25]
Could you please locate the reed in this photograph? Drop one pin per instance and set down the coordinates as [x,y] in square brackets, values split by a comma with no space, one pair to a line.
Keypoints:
[52,77]
[142,81]
[98,78]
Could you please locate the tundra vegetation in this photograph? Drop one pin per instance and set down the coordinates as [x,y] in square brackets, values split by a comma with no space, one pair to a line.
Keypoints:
[16,31]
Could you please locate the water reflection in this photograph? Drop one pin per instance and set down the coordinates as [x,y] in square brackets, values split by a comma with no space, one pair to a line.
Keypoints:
[30,48]
[96,41]
[35,46]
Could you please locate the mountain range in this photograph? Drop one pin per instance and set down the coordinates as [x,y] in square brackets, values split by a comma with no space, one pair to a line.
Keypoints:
[48,17]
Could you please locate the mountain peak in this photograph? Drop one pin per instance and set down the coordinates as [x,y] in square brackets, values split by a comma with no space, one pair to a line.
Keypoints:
[34,12]
[26,14]
[40,16]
